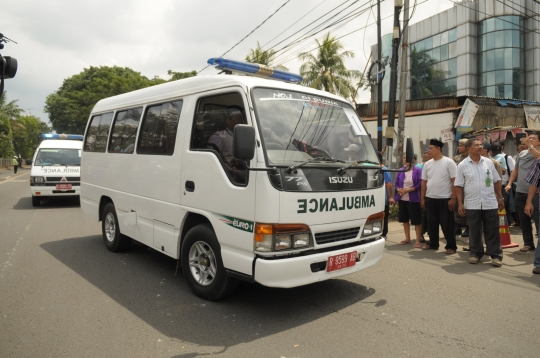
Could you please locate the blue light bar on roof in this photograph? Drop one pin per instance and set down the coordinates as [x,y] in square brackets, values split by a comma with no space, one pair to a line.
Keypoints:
[62,136]
[253,69]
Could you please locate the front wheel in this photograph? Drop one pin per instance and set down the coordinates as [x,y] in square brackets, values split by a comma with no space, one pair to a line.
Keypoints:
[114,241]
[36,201]
[202,265]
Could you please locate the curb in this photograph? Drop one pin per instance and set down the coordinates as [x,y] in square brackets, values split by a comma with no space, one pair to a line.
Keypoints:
[13,176]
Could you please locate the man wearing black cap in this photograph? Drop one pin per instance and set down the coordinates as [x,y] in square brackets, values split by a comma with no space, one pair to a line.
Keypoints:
[524,162]
[439,198]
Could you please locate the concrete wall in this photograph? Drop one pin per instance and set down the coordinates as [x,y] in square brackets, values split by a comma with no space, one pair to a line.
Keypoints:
[421,129]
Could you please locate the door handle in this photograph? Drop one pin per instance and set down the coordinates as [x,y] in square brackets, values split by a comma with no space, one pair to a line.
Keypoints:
[190,186]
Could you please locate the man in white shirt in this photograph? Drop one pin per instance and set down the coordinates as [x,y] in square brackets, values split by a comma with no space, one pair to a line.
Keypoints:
[438,197]
[478,189]
[508,197]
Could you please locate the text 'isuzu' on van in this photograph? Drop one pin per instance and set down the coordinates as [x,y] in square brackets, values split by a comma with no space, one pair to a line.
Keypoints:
[56,167]
[237,177]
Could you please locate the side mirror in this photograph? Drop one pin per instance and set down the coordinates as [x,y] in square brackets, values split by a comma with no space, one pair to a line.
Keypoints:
[409,150]
[244,142]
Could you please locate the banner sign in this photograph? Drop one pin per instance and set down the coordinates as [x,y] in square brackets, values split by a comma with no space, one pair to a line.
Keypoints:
[466,116]
[532,114]
[447,135]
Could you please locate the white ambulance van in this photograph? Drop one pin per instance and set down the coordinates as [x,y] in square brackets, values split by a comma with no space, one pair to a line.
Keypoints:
[237,177]
[56,167]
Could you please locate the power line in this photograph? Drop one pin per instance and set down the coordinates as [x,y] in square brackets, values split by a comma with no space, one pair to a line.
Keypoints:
[281,33]
[290,56]
[359,29]
[534,12]
[481,12]
[513,8]
[320,17]
[345,19]
[279,8]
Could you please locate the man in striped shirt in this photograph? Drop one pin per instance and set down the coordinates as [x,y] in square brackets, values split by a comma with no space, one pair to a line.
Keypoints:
[533,178]
[478,189]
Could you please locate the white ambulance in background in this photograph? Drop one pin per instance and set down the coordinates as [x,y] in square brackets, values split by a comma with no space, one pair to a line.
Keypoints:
[237,177]
[56,167]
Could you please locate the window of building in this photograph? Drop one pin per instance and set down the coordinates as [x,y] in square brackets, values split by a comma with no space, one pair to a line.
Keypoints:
[124,131]
[434,65]
[98,133]
[213,129]
[501,57]
[159,128]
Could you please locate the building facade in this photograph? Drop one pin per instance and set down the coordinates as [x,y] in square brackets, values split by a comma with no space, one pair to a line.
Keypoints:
[477,48]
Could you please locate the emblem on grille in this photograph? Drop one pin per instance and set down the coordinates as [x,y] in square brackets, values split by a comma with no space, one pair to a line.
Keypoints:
[63,179]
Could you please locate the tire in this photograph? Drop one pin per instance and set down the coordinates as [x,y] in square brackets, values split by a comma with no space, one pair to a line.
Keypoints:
[202,265]
[36,201]
[114,240]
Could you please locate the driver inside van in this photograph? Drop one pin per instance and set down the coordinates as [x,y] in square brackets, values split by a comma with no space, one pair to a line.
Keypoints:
[353,151]
[223,140]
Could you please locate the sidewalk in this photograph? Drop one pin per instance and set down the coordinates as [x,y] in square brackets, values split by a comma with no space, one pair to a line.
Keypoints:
[512,256]
[7,173]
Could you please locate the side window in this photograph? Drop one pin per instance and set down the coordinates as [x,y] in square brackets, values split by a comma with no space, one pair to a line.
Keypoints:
[124,131]
[98,133]
[159,128]
[213,128]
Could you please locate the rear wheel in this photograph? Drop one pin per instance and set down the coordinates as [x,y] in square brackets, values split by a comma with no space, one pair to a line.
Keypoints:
[36,201]
[114,241]
[202,265]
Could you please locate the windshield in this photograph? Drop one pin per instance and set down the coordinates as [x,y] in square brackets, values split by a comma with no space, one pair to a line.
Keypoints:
[58,156]
[296,127]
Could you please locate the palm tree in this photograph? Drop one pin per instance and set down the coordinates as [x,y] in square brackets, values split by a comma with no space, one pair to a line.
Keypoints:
[263,57]
[8,112]
[327,69]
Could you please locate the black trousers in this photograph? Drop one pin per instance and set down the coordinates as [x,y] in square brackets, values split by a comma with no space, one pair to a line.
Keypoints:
[439,215]
[486,221]
[15,169]
[526,226]
[385,223]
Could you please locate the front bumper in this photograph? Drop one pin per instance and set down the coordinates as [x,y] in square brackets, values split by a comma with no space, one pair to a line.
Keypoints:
[297,271]
[51,191]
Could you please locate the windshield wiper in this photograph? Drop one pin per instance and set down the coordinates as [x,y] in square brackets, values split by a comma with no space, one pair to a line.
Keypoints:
[319,159]
[344,169]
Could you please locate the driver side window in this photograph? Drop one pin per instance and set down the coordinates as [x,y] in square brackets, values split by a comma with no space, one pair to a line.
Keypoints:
[213,129]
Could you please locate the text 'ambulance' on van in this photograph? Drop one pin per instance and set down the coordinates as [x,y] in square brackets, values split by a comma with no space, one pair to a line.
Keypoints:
[238,177]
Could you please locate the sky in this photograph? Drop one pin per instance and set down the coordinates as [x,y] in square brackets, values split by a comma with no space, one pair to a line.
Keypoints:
[57,39]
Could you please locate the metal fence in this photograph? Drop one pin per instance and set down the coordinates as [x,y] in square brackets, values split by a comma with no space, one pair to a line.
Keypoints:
[5,163]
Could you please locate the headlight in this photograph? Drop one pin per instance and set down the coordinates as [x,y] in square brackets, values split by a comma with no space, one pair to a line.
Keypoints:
[38,179]
[283,242]
[280,237]
[374,224]
[300,240]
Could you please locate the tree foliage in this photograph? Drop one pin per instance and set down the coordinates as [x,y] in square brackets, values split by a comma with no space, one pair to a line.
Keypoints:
[263,57]
[70,106]
[326,69]
[180,75]
[26,134]
[8,112]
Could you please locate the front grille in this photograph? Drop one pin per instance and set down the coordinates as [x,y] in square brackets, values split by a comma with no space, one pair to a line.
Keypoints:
[63,191]
[60,178]
[338,235]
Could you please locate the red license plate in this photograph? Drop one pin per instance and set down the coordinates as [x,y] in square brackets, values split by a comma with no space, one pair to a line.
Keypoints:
[341,261]
[63,187]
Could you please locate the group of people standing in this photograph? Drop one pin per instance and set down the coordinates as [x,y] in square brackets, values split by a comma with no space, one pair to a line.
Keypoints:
[468,192]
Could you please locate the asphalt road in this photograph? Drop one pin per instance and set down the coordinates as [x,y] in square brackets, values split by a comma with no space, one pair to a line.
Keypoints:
[62,294]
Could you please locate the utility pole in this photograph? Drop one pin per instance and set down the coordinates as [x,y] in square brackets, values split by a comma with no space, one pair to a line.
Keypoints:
[398,4]
[403,82]
[379,86]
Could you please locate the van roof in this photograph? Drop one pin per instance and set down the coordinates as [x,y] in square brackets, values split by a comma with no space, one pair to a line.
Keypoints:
[197,84]
[61,143]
